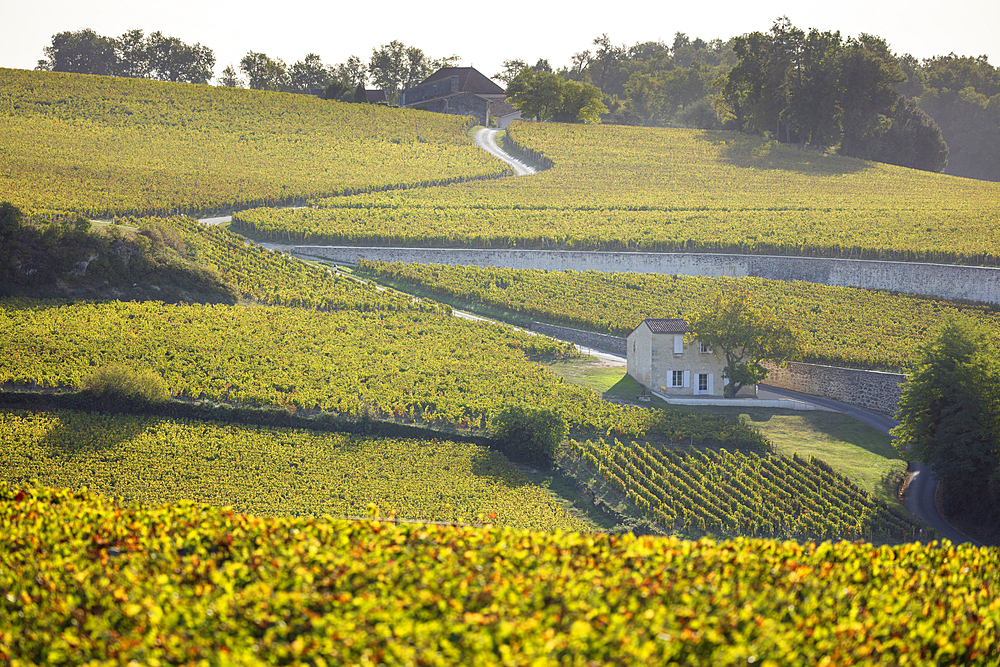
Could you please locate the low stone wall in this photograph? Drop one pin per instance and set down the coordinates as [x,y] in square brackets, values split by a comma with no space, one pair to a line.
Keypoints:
[870,390]
[946,281]
[599,341]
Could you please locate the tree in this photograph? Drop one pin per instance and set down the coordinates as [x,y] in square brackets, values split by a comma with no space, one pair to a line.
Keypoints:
[581,103]
[309,74]
[536,94]
[949,414]
[962,95]
[230,79]
[606,67]
[814,111]
[81,52]
[914,139]
[511,68]
[360,95]
[387,68]
[353,72]
[132,54]
[170,59]
[338,90]
[747,334]
[263,73]
[417,67]
[529,435]
[868,72]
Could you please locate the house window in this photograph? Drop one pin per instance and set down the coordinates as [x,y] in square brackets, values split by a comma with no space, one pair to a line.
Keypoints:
[677,379]
[702,382]
[705,349]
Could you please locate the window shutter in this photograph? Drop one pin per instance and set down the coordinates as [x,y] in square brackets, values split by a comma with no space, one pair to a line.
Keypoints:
[678,344]
[687,378]
[711,387]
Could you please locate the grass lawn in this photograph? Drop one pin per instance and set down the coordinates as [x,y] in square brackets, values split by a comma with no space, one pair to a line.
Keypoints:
[853,448]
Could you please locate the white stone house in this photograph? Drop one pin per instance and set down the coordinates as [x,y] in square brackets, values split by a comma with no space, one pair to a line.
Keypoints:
[661,360]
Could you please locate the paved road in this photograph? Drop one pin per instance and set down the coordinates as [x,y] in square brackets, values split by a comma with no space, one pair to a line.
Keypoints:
[486,139]
[923,485]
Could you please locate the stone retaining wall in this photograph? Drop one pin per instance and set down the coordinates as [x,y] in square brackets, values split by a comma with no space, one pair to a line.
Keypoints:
[870,390]
[586,338]
[946,281]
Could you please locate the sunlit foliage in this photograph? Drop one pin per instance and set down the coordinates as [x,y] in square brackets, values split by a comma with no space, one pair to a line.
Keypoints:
[88,578]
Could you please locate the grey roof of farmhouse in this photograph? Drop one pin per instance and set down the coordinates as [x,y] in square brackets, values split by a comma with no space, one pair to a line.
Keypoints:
[667,326]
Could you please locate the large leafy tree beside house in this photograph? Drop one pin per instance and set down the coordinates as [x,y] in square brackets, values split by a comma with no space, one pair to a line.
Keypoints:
[747,334]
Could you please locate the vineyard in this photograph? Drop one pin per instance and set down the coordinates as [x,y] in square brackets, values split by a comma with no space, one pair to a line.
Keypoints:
[103,146]
[842,326]
[274,278]
[83,577]
[743,493]
[410,367]
[649,189]
[271,471]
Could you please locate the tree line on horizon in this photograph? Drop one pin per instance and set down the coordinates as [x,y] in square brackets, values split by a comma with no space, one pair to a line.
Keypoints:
[392,67]
[816,88]
[803,87]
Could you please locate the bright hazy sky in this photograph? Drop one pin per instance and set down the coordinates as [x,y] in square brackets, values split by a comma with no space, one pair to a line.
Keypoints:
[484,34]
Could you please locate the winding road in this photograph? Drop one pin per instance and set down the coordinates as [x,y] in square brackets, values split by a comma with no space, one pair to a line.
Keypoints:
[487,140]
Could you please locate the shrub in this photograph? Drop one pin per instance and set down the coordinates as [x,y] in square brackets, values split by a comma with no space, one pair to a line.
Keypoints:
[117,385]
[529,435]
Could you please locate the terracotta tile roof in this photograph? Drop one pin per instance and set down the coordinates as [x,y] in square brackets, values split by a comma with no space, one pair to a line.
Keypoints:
[667,326]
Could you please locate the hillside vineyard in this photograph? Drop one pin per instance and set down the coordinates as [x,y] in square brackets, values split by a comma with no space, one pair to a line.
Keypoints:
[104,146]
[842,326]
[650,189]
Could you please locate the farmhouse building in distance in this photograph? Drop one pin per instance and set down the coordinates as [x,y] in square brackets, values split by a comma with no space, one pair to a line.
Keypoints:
[464,91]
[659,359]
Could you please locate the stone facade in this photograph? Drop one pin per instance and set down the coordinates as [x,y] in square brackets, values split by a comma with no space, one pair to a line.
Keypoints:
[946,281]
[614,344]
[669,365]
[870,390]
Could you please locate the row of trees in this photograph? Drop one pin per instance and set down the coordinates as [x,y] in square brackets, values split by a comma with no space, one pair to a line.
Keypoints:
[813,87]
[819,89]
[134,54]
[962,95]
[392,67]
[543,95]
[650,83]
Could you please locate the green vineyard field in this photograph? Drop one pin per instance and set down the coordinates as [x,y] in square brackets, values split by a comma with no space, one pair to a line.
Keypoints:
[411,367]
[666,190]
[83,578]
[274,278]
[743,493]
[272,471]
[104,146]
[839,325]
